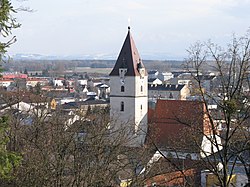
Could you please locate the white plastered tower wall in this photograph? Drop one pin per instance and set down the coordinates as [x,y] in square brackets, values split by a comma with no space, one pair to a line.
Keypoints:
[135,101]
[129,94]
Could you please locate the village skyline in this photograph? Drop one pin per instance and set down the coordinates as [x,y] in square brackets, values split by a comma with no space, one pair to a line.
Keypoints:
[95,29]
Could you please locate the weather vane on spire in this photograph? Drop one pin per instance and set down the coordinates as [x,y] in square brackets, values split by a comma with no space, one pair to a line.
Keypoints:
[129,23]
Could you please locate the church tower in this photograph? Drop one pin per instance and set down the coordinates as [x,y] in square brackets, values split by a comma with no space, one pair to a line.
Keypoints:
[129,93]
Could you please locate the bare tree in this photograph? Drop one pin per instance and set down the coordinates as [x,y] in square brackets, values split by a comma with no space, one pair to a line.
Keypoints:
[230,122]
[57,152]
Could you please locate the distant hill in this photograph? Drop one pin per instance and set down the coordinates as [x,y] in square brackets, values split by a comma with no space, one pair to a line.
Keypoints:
[146,56]
[21,65]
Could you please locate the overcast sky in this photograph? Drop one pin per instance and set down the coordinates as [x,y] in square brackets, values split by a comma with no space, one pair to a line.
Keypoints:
[98,27]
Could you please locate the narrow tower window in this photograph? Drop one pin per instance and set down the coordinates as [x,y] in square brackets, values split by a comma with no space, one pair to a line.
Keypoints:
[122,88]
[141,88]
[171,95]
[122,106]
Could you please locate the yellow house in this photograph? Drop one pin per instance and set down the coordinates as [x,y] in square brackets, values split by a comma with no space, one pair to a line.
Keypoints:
[212,180]
[53,104]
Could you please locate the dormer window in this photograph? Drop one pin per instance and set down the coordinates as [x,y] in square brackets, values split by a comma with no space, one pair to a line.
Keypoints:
[122,72]
[141,69]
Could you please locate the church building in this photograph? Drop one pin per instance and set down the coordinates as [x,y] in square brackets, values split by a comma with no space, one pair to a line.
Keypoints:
[129,93]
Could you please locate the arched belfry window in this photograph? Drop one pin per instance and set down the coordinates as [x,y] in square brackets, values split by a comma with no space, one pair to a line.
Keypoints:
[122,88]
[122,106]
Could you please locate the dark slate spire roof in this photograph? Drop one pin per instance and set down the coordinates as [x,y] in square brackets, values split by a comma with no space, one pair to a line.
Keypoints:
[128,58]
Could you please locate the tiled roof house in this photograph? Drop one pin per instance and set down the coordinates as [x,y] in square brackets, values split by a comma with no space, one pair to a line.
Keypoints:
[179,125]
[178,129]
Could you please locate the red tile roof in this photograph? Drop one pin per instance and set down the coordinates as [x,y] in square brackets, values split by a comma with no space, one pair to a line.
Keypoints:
[175,123]
[35,79]
[174,178]
[6,80]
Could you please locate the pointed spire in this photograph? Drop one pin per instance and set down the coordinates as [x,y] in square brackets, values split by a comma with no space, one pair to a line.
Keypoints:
[129,57]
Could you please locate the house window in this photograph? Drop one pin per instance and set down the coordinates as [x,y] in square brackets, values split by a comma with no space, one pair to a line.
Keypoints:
[169,155]
[122,106]
[122,88]
[188,156]
[171,95]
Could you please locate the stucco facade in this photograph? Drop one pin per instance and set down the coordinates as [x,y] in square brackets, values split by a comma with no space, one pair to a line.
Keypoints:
[129,93]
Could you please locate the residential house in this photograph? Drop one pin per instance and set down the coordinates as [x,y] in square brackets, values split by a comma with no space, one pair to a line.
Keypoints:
[154,81]
[152,74]
[35,73]
[181,126]
[180,130]
[207,82]
[14,75]
[58,82]
[94,82]
[82,82]
[66,100]
[24,102]
[32,81]
[5,82]
[238,178]
[103,91]
[84,106]
[17,84]
[175,92]
[183,78]
[71,82]
[165,76]
[171,171]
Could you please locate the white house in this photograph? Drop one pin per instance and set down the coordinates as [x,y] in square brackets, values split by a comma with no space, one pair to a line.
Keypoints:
[58,82]
[183,78]
[153,74]
[154,81]
[5,82]
[164,76]
[174,92]
[83,82]
[32,81]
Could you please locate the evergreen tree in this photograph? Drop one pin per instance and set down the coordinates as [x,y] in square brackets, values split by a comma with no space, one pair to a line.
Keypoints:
[8,159]
[7,23]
